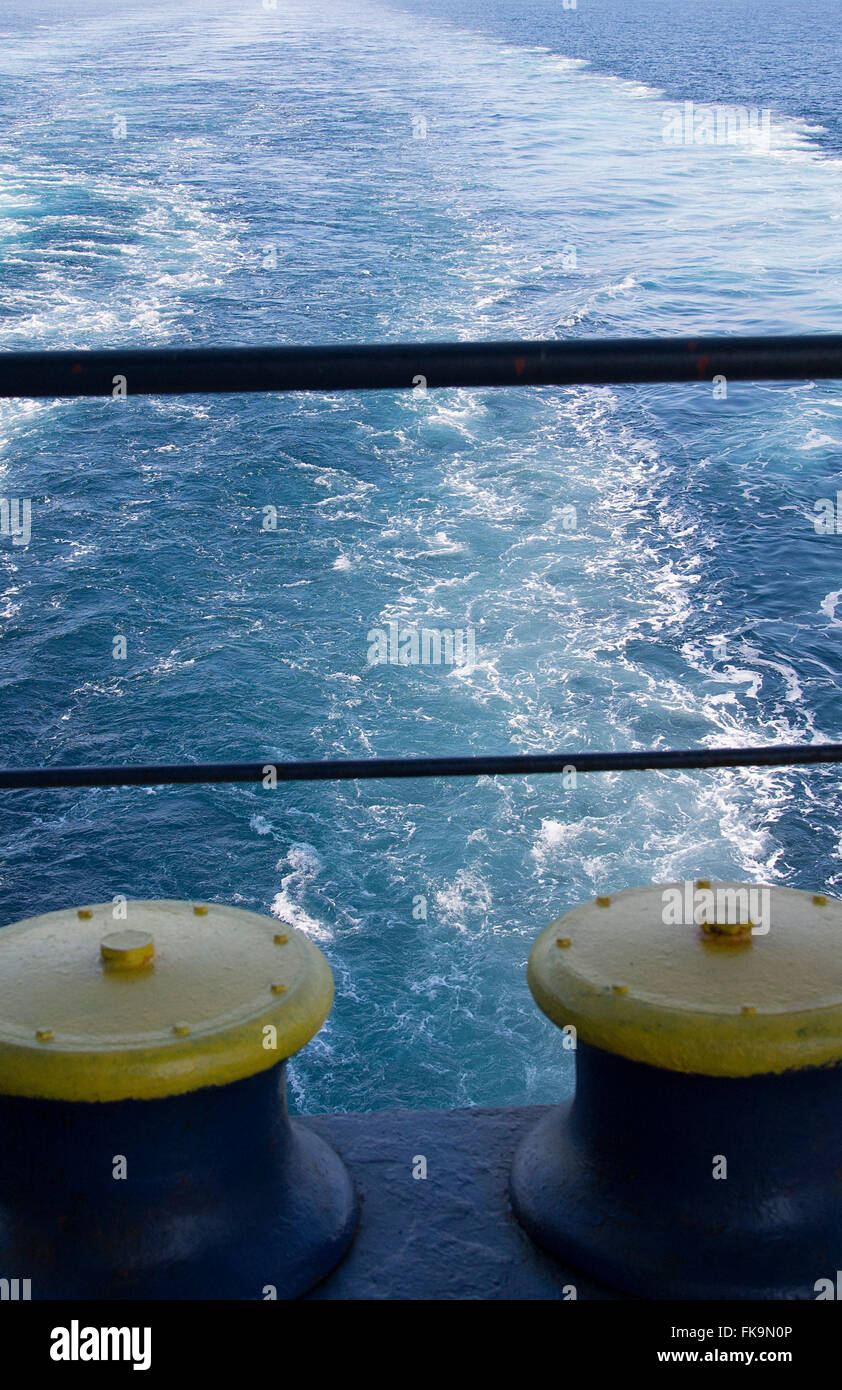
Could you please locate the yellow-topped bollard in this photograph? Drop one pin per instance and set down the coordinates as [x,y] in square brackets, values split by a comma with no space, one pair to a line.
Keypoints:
[707,1024]
[162,1041]
[111,999]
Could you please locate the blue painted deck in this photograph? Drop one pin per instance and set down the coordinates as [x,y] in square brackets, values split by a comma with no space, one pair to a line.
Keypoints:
[453,1234]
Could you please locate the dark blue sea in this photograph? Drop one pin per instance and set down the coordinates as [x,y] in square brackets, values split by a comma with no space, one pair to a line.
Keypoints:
[639,566]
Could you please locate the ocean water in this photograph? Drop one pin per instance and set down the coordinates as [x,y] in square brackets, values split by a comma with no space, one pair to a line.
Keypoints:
[333,172]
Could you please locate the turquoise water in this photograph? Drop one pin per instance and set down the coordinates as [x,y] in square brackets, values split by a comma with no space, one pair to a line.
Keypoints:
[271,187]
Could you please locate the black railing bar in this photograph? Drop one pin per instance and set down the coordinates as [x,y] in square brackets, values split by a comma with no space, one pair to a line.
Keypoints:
[395,366]
[353,769]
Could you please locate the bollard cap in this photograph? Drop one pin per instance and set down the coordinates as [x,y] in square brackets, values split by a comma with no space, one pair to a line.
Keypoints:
[179,996]
[641,978]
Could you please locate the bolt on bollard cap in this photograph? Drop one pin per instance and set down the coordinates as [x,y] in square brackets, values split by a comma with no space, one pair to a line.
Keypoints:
[179,996]
[682,977]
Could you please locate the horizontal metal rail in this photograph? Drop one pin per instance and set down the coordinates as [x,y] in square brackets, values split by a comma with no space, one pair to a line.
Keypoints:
[353,769]
[395,366]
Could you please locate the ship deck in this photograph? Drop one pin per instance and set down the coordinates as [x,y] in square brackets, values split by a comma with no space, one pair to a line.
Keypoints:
[451,1235]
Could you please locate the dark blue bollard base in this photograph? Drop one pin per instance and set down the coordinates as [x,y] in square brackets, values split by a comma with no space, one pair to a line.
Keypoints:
[619,1182]
[224,1197]
[304,1227]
